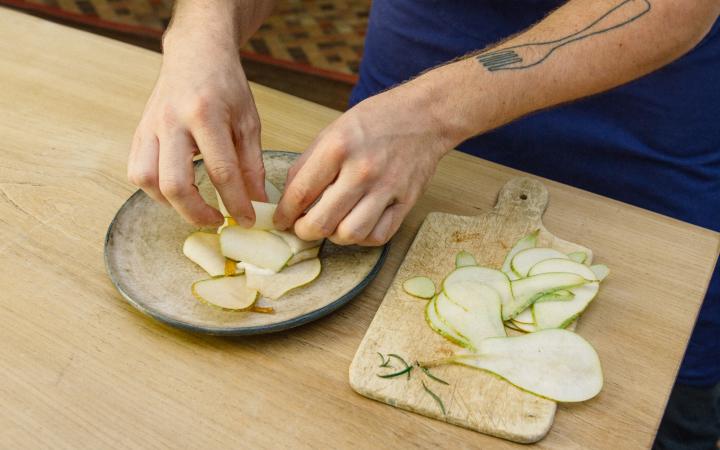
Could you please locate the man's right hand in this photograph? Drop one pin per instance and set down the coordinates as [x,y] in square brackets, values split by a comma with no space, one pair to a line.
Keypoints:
[201,104]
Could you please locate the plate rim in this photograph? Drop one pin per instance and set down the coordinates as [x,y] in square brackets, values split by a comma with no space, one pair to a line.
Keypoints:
[238,331]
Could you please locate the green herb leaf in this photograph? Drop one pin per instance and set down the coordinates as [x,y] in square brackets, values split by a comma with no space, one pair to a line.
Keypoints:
[397,374]
[435,397]
[383,361]
[439,380]
[408,367]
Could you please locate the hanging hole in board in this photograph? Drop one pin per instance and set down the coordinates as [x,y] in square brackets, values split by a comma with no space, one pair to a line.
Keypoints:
[523,197]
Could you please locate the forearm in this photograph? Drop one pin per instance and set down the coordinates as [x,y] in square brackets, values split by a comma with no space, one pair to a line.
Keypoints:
[226,23]
[590,46]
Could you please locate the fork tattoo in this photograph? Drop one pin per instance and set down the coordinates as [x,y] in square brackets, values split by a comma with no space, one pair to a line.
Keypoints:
[524,56]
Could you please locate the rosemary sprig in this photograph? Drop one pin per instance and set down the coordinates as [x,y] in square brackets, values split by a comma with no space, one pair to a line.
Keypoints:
[408,367]
[435,397]
[397,374]
[384,362]
[427,372]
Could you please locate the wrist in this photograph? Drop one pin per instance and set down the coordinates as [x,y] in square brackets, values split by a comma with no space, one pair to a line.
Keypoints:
[464,101]
[212,26]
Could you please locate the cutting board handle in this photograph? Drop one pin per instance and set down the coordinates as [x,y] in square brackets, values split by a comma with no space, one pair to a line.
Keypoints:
[523,196]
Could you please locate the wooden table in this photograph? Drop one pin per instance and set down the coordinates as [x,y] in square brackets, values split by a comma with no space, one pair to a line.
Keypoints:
[80,368]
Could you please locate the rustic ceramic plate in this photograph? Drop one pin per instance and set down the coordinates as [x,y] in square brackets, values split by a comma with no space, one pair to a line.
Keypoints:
[143,256]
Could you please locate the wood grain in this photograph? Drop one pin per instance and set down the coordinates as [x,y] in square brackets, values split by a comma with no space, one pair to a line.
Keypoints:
[80,368]
[473,399]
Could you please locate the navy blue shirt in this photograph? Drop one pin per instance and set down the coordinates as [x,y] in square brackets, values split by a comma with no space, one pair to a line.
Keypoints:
[654,142]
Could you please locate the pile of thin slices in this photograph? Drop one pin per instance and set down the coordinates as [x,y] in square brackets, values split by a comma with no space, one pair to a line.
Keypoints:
[248,263]
[538,292]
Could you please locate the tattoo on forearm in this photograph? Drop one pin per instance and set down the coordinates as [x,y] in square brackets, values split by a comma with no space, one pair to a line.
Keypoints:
[528,55]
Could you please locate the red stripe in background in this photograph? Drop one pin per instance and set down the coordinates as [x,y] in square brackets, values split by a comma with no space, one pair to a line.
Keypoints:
[153,33]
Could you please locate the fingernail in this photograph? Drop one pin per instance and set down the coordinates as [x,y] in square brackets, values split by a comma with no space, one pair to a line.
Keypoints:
[246,222]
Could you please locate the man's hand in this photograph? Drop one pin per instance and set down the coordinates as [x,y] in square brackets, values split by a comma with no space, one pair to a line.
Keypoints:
[202,104]
[366,170]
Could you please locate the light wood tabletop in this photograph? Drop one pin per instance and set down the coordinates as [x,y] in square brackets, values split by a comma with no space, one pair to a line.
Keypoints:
[80,368]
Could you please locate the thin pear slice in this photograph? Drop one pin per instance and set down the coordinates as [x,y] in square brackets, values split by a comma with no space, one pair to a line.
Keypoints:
[228,222]
[491,277]
[295,243]
[276,285]
[455,317]
[482,304]
[524,327]
[526,259]
[273,193]
[257,247]
[555,364]
[422,287]
[226,293]
[303,255]
[204,250]
[560,314]
[524,243]
[463,259]
[441,327]
[556,296]
[601,271]
[578,257]
[525,316]
[527,290]
[264,213]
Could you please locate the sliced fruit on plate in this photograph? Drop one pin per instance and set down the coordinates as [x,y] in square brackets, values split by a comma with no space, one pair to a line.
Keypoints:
[233,267]
[204,250]
[226,293]
[296,244]
[264,213]
[303,255]
[578,257]
[257,247]
[275,285]
[524,327]
[601,271]
[527,290]
[526,259]
[482,305]
[555,364]
[440,326]
[559,314]
[491,277]
[464,258]
[525,316]
[272,192]
[422,287]
[529,241]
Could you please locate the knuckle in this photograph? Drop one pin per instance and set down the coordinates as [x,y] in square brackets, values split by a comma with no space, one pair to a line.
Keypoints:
[300,195]
[316,228]
[346,236]
[172,188]
[168,116]
[142,179]
[251,126]
[364,172]
[223,173]
[376,240]
[200,109]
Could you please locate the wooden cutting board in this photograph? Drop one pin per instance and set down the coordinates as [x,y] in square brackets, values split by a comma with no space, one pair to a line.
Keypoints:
[473,399]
